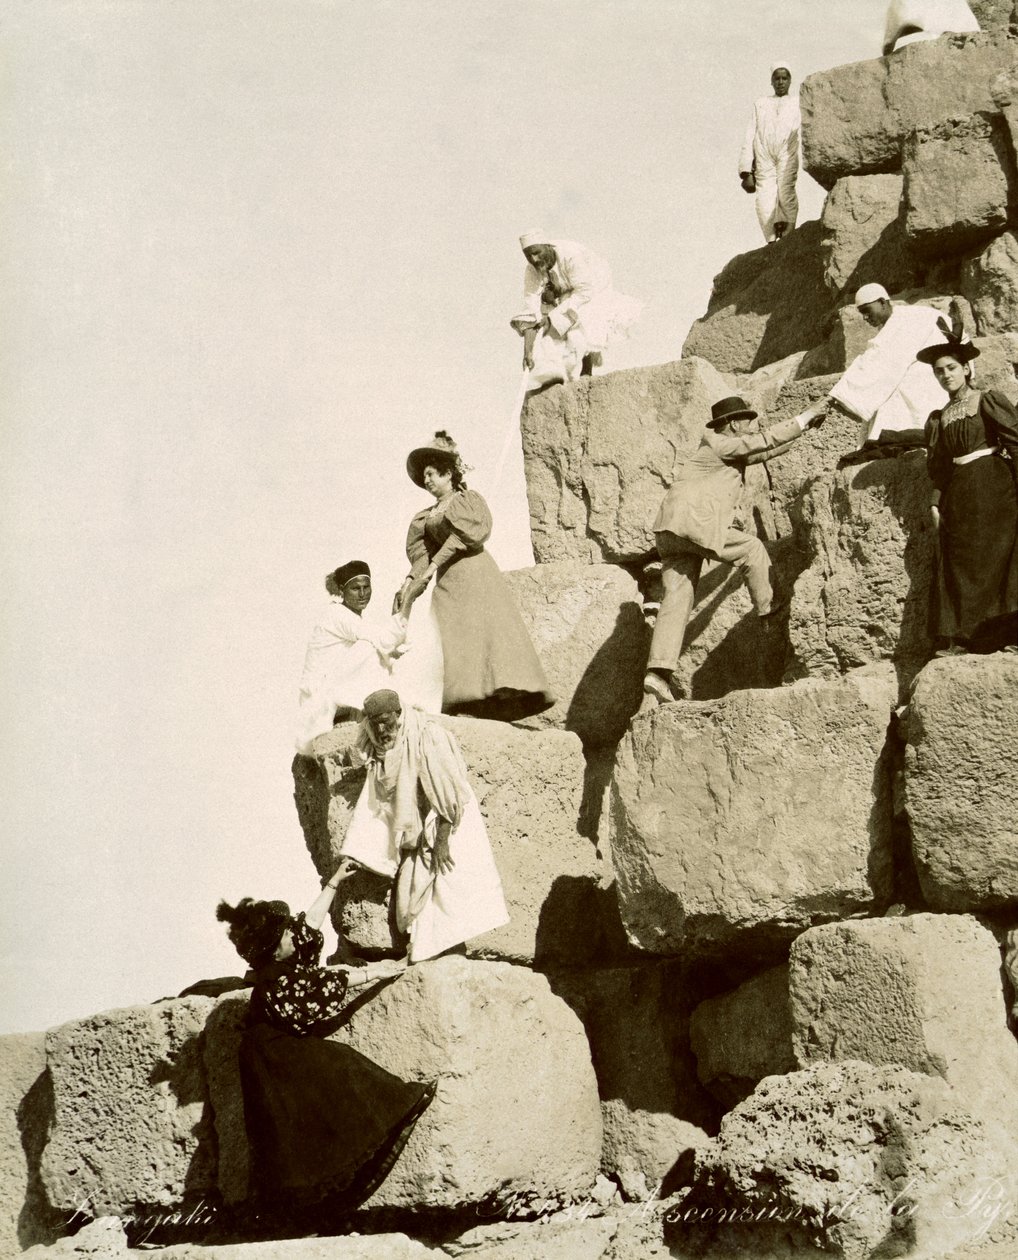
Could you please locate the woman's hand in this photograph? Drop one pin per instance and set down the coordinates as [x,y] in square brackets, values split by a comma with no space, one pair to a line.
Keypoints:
[400,596]
[412,590]
[344,870]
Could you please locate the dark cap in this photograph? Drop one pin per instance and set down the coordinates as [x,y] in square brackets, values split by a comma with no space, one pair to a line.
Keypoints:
[380,702]
[347,572]
[731,408]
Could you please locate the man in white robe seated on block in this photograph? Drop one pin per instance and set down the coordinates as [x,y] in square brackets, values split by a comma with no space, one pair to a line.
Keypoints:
[884,387]
[418,823]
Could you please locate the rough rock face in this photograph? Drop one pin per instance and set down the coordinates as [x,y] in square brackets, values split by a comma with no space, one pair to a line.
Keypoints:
[600,453]
[339,1247]
[637,1023]
[765,305]
[744,1035]
[961,781]
[24,1097]
[923,991]
[862,236]
[959,185]
[529,785]
[990,282]
[516,1111]
[559,1237]
[855,117]
[587,624]
[741,821]
[861,1161]
[131,1127]
[865,594]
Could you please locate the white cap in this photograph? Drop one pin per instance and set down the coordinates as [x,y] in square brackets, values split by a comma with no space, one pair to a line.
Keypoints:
[534,237]
[871,293]
[781,65]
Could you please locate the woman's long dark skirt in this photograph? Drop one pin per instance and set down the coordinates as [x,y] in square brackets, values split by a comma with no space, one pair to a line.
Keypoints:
[322,1120]
[977,570]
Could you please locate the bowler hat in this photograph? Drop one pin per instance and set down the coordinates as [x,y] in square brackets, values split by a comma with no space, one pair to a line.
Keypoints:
[731,408]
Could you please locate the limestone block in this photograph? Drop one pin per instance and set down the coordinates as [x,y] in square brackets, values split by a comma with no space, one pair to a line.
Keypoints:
[959,183]
[131,1127]
[560,1236]
[765,305]
[862,236]
[856,1160]
[599,454]
[738,822]
[516,1110]
[855,117]
[865,594]
[652,1106]
[923,991]
[961,781]
[587,624]
[995,15]
[24,1115]
[101,1239]
[990,282]
[329,1247]
[744,1035]
[529,785]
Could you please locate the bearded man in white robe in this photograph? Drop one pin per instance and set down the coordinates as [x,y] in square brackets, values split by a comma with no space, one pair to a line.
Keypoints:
[418,823]
[769,160]
[889,393]
[570,310]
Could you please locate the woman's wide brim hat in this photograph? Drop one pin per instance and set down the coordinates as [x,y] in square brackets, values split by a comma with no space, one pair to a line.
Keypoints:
[731,408]
[964,351]
[441,451]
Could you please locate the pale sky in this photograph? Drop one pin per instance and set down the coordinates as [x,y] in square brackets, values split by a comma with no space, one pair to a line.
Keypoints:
[253,252]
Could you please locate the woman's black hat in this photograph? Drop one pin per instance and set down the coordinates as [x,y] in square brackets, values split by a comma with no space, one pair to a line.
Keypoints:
[442,452]
[256,927]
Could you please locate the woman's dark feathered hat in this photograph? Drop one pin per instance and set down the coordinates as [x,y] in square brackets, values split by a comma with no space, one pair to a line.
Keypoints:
[442,452]
[256,927]
[956,342]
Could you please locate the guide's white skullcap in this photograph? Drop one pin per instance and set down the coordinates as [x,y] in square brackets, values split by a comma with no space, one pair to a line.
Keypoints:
[871,293]
[534,237]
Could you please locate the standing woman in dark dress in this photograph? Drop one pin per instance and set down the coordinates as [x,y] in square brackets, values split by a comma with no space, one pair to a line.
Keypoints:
[972,445]
[491,668]
[325,1124]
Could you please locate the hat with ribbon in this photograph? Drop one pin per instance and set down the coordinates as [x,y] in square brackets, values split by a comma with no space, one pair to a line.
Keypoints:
[956,341]
[442,454]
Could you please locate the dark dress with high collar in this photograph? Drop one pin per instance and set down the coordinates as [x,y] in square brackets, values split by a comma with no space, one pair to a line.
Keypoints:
[323,1121]
[975,596]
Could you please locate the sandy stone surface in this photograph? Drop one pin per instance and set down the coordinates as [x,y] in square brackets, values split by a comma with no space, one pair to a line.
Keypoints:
[587,624]
[923,991]
[530,786]
[990,282]
[957,190]
[961,781]
[600,453]
[861,1161]
[862,236]
[24,1112]
[131,1124]
[342,1247]
[516,1110]
[560,1237]
[736,823]
[765,305]
[855,117]
[744,1035]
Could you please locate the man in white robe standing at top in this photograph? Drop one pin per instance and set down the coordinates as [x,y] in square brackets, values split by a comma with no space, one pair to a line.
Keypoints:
[769,160]
[570,309]
[889,393]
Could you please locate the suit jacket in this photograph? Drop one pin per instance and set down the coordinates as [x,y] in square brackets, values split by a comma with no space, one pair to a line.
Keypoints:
[702,500]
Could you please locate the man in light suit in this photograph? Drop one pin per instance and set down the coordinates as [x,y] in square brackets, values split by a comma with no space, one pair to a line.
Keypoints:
[695,524]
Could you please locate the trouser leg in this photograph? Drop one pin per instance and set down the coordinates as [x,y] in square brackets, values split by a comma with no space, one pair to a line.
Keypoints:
[766,197]
[680,572]
[748,554]
[787,208]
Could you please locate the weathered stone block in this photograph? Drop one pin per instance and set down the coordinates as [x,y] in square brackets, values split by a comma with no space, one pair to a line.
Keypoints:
[990,282]
[329,1247]
[652,1106]
[736,823]
[855,1160]
[961,781]
[131,1125]
[588,626]
[923,992]
[529,785]
[862,236]
[599,454]
[765,305]
[855,117]
[516,1111]
[960,186]
[744,1035]
[25,1107]
[559,1236]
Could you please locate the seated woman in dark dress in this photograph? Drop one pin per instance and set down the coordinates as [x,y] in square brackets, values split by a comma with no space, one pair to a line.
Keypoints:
[972,446]
[324,1122]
